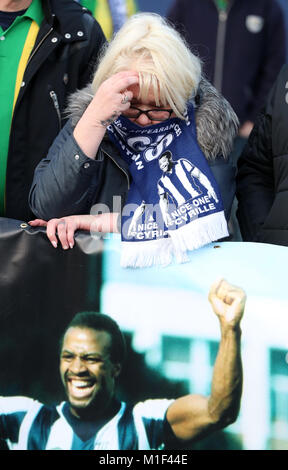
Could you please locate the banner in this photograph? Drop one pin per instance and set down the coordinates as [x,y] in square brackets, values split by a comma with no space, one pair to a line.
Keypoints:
[41,289]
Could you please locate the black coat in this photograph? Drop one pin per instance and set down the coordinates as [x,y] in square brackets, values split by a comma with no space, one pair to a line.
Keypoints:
[242,50]
[63,60]
[262,180]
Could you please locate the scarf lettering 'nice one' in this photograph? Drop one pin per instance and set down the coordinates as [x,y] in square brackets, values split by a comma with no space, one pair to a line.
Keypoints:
[174,204]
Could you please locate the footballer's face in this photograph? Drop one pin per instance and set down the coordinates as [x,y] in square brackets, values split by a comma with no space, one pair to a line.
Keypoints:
[87,372]
[164,163]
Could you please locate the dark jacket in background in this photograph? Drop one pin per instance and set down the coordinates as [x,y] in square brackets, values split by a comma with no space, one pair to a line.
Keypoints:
[62,61]
[262,181]
[242,51]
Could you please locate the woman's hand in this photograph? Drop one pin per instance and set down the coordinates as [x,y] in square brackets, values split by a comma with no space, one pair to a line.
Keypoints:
[64,228]
[111,99]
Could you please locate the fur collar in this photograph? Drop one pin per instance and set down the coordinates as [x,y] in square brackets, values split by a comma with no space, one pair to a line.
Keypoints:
[217,123]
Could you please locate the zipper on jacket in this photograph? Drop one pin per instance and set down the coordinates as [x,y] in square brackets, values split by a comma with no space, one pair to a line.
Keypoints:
[56,106]
[120,168]
[52,93]
[39,45]
[220,46]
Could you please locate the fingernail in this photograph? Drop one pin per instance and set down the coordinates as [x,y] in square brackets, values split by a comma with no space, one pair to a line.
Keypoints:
[65,247]
[54,244]
[71,245]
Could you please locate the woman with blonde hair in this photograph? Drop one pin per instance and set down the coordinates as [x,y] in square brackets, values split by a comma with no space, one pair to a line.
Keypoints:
[147,99]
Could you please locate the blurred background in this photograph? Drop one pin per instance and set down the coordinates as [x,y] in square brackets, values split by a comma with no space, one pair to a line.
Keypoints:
[161,6]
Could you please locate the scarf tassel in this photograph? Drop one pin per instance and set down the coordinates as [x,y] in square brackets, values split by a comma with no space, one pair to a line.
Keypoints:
[187,238]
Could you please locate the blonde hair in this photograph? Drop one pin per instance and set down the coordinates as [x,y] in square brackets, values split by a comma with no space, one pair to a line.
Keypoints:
[148,44]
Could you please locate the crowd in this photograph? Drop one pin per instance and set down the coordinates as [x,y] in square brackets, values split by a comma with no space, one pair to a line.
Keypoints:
[137,126]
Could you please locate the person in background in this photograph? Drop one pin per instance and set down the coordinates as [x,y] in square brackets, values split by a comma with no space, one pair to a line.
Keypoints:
[262,181]
[110,14]
[48,49]
[93,418]
[243,46]
[284,6]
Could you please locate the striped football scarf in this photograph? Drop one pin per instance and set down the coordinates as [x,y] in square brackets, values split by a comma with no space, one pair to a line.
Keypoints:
[174,204]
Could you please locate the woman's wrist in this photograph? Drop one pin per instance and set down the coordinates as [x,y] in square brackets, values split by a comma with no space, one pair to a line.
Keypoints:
[89,137]
[105,223]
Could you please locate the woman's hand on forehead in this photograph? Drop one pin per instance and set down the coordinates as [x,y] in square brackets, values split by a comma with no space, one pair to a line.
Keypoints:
[112,98]
[124,80]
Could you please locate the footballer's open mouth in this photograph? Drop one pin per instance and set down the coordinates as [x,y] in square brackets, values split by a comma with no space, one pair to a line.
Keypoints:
[80,387]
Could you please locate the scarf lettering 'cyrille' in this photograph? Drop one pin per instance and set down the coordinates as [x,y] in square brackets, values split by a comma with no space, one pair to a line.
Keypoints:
[174,204]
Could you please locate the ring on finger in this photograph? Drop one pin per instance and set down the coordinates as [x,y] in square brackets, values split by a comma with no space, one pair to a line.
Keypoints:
[125,98]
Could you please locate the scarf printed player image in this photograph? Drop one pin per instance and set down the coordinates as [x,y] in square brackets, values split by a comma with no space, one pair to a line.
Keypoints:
[174,204]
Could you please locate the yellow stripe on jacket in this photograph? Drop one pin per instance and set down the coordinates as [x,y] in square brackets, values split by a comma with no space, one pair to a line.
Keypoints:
[28,46]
